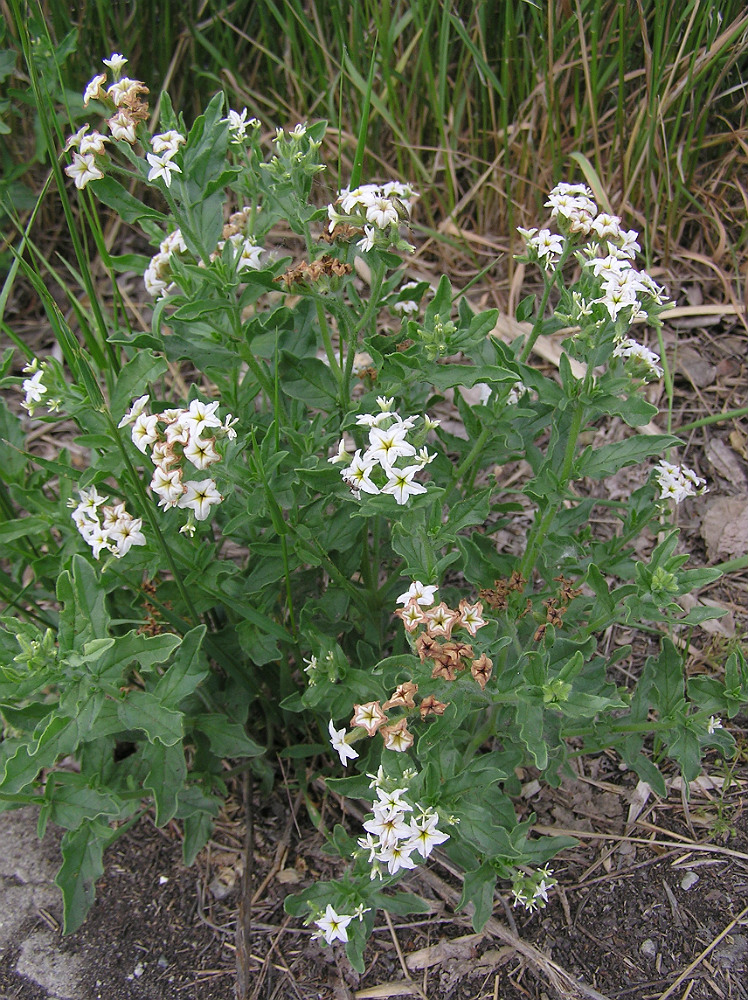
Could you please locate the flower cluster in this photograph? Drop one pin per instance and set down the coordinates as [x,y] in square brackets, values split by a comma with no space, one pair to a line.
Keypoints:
[531,891]
[393,836]
[181,438]
[106,527]
[677,482]
[122,98]
[609,253]
[391,457]
[157,276]
[245,252]
[374,210]
[127,110]
[641,362]
[451,656]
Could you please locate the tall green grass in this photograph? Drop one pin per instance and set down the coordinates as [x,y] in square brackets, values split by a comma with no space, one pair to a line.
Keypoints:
[483,102]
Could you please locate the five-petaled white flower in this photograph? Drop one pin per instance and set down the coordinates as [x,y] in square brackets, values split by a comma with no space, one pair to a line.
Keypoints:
[333,925]
[402,485]
[337,741]
[163,167]
[200,497]
[424,595]
[83,169]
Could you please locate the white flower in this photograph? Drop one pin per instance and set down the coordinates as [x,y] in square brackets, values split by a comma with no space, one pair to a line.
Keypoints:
[425,837]
[126,533]
[367,243]
[201,415]
[397,856]
[342,454]
[200,497]
[122,126]
[83,169]
[547,244]
[201,453]
[145,431]
[713,725]
[94,90]
[387,445]
[333,925]
[424,595]
[115,62]
[337,741]
[382,213]
[678,482]
[135,410]
[168,142]
[250,256]
[120,90]
[358,474]
[93,143]
[163,167]
[34,389]
[238,125]
[641,357]
[388,824]
[168,486]
[74,141]
[401,484]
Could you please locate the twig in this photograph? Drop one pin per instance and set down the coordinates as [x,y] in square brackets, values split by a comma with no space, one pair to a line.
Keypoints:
[244,916]
[700,958]
[403,965]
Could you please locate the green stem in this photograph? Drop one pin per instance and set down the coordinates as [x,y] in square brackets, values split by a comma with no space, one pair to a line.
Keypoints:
[549,283]
[715,418]
[540,529]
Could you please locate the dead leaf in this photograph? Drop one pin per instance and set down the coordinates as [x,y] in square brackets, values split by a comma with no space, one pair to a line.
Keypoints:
[695,367]
[726,462]
[639,799]
[724,527]
[288,875]
[436,954]
[387,990]
[739,442]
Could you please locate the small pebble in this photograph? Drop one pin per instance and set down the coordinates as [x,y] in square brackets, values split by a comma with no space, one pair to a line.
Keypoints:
[689,880]
[648,948]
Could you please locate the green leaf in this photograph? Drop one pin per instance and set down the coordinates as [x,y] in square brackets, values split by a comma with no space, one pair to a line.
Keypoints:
[134,379]
[600,462]
[668,686]
[197,831]
[186,672]
[82,864]
[530,721]
[401,903]
[478,888]
[141,710]
[227,739]
[166,777]
[146,650]
[309,380]
[70,800]
[127,206]
[22,527]
[84,615]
